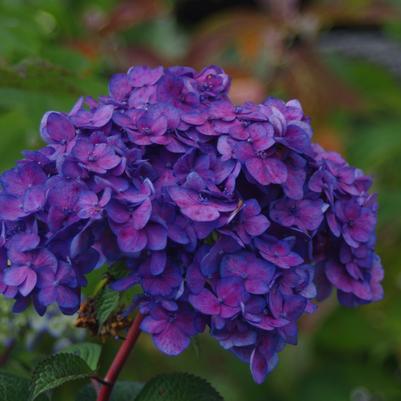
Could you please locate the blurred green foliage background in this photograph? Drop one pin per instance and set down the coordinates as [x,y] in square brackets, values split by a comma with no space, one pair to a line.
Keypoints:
[341,58]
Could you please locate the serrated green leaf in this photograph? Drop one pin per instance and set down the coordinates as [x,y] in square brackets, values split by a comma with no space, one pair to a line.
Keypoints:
[106,304]
[15,388]
[57,370]
[122,391]
[178,387]
[89,352]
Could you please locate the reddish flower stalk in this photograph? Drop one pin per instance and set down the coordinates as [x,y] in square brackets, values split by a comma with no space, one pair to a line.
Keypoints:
[120,359]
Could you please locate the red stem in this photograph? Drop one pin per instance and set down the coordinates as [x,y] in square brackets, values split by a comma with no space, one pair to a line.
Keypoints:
[120,359]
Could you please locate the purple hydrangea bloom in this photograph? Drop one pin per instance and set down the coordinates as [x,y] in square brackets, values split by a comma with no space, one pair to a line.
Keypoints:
[224,301]
[95,157]
[225,216]
[24,191]
[305,214]
[250,223]
[264,356]
[59,285]
[144,76]
[255,273]
[172,329]
[259,157]
[198,203]
[95,118]
[278,251]
[26,262]
[357,222]
[55,127]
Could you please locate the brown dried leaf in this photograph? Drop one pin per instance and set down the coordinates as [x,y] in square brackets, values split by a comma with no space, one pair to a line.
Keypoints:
[308,79]
[282,9]
[345,12]
[247,88]
[131,12]
[125,57]
[246,33]
[328,137]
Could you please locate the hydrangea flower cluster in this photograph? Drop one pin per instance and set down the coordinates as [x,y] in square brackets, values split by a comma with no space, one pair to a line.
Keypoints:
[227,217]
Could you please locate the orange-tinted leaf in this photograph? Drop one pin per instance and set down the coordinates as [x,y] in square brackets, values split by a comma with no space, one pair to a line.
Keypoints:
[328,137]
[308,79]
[346,12]
[244,35]
[129,13]
[247,88]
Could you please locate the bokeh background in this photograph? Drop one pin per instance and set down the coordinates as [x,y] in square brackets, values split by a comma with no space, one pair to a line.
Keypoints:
[341,58]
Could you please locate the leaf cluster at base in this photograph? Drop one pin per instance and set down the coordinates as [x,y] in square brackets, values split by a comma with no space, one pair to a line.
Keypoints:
[166,387]
[80,361]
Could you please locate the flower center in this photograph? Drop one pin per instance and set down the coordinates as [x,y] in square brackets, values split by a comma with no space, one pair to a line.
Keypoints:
[131,208]
[12,230]
[203,198]
[67,211]
[262,154]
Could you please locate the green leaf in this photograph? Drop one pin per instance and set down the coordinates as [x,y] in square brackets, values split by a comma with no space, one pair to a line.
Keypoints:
[195,345]
[178,387]
[117,270]
[106,304]
[41,76]
[122,391]
[379,87]
[15,388]
[57,370]
[126,391]
[89,352]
